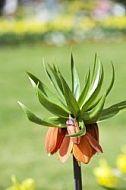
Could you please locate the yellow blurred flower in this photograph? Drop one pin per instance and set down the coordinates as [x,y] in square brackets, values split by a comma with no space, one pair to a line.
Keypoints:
[27,184]
[87,24]
[62,23]
[121,160]
[75,6]
[114,22]
[105,175]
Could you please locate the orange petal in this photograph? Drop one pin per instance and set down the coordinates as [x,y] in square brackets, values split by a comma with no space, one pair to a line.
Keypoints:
[65,149]
[93,130]
[96,132]
[61,134]
[93,137]
[51,140]
[94,143]
[83,151]
[54,138]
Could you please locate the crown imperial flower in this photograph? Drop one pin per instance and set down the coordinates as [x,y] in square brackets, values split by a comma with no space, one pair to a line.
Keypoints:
[73,129]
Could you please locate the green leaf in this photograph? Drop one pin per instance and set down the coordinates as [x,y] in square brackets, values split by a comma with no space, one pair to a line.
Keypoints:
[93,115]
[37,82]
[45,90]
[33,118]
[95,101]
[95,80]
[50,106]
[85,90]
[55,81]
[56,121]
[95,90]
[112,110]
[96,68]
[55,75]
[69,97]
[112,80]
[81,132]
[75,79]
[91,84]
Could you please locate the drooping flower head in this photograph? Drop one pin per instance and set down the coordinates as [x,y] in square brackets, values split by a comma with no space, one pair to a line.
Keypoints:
[73,129]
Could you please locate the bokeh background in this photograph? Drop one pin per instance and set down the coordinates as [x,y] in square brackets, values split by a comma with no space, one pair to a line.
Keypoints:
[31,31]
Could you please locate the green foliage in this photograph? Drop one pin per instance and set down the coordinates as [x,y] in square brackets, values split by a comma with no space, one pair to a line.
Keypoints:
[112,110]
[86,107]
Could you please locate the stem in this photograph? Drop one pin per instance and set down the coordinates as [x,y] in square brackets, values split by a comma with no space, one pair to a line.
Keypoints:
[77,175]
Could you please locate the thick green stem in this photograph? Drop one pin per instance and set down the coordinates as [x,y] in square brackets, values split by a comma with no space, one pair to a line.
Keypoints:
[77,175]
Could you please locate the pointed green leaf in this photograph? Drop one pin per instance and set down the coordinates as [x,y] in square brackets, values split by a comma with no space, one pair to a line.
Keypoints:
[93,115]
[57,84]
[75,80]
[45,90]
[94,81]
[97,84]
[69,97]
[56,121]
[112,110]
[41,85]
[50,106]
[112,80]
[85,90]
[96,67]
[107,91]
[55,81]
[33,118]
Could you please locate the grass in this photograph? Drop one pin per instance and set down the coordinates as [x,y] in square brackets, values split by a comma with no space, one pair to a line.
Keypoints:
[22,143]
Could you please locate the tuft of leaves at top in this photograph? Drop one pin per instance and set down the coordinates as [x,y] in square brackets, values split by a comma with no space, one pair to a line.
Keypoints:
[87,106]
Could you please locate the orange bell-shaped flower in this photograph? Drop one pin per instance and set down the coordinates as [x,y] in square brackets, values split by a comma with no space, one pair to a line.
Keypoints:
[82,147]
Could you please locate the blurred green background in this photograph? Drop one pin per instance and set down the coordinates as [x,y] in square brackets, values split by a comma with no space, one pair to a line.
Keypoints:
[22,143]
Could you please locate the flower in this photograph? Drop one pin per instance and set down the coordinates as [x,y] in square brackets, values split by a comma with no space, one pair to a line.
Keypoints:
[112,178]
[121,160]
[83,148]
[105,175]
[76,113]
[27,184]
